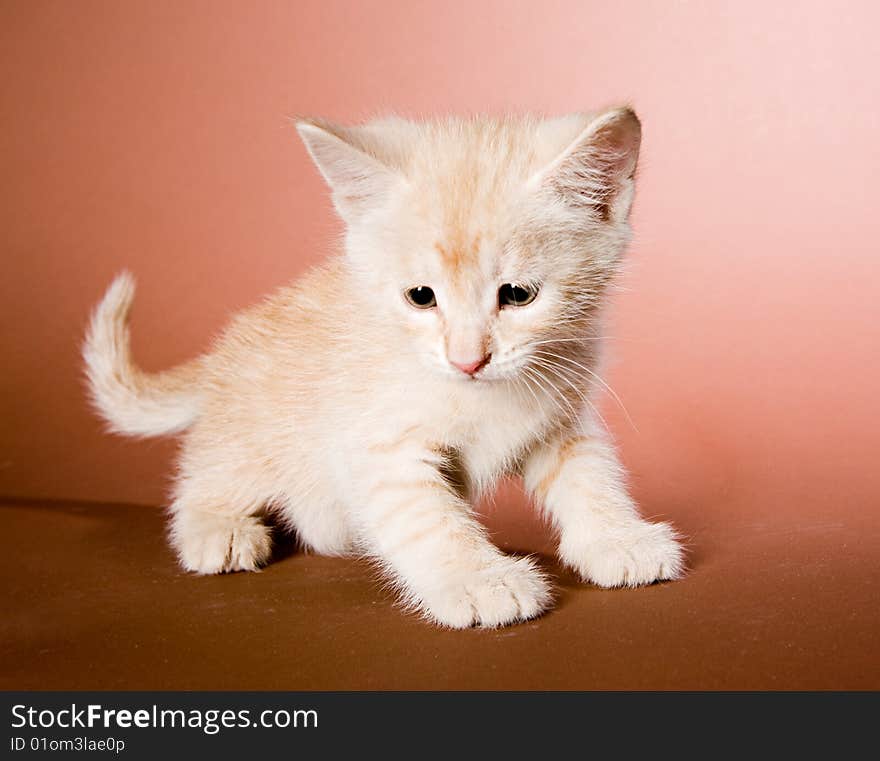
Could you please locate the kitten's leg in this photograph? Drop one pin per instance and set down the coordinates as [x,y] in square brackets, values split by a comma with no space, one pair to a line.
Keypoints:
[580,482]
[426,537]
[212,535]
[215,522]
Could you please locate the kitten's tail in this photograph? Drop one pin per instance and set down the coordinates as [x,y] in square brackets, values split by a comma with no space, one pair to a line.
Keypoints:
[131,401]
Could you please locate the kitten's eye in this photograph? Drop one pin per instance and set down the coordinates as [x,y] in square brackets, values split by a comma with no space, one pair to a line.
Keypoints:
[421,297]
[512,295]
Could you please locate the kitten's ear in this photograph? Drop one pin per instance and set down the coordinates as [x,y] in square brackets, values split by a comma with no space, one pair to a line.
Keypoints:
[596,171]
[358,180]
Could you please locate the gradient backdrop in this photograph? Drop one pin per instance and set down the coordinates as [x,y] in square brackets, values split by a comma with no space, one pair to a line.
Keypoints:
[156,136]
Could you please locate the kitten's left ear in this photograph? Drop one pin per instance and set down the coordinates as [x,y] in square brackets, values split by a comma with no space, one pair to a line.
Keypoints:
[596,171]
[359,181]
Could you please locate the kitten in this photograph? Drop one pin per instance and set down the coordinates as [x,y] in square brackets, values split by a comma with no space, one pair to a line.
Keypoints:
[455,341]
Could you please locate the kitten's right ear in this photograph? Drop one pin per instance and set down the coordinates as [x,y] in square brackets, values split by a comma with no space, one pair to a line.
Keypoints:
[358,180]
[596,171]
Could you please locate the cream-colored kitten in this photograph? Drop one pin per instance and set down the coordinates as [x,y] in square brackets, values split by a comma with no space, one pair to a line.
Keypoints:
[454,341]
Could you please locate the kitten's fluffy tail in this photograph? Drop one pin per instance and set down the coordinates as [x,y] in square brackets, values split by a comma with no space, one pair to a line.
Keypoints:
[131,401]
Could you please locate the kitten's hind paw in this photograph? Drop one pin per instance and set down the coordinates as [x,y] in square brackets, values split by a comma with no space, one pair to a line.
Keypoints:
[507,591]
[210,543]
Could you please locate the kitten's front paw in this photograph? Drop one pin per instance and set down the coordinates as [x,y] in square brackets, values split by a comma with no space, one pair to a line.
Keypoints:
[209,543]
[627,556]
[507,591]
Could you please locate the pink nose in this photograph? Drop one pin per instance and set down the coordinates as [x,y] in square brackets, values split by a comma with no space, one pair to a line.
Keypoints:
[471,368]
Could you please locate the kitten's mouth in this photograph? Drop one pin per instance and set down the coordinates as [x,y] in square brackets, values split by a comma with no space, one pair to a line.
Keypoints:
[477,379]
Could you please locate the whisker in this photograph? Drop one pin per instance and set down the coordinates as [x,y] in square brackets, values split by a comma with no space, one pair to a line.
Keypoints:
[553,397]
[557,394]
[528,386]
[600,380]
[578,339]
[559,370]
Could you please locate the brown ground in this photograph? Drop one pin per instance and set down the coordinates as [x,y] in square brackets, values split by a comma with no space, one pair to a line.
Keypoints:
[92,599]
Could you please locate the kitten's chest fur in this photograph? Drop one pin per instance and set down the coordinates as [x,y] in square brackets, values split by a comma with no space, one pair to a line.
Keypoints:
[487,432]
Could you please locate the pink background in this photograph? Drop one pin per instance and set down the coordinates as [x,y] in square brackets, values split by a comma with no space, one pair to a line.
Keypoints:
[156,136]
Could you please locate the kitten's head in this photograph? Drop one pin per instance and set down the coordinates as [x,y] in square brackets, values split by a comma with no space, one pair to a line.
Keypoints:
[489,242]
